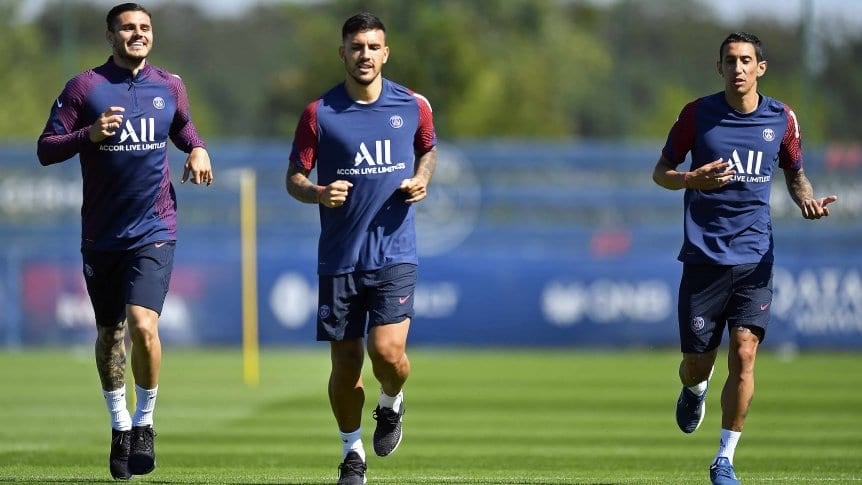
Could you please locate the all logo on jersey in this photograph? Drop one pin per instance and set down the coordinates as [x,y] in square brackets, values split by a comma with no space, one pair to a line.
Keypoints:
[137,135]
[146,131]
[748,167]
[379,162]
[382,154]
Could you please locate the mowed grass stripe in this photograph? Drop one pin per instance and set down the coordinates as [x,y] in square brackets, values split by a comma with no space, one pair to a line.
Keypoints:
[474,416]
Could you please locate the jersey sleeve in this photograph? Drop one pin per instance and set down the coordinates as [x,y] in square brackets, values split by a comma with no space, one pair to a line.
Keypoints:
[681,138]
[426,137]
[183,132]
[303,153]
[790,153]
[62,137]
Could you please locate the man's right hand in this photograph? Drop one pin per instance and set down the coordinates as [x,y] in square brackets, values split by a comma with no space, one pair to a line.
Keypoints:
[107,124]
[334,194]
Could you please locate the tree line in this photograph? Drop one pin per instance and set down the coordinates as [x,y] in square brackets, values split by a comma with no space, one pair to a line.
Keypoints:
[530,69]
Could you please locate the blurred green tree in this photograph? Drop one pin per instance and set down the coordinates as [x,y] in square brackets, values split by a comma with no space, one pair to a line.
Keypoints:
[497,68]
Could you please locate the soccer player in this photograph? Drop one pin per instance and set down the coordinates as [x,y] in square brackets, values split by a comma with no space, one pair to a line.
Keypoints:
[736,138]
[373,144]
[118,117]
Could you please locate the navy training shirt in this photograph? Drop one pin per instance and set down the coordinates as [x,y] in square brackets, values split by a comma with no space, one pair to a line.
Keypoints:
[374,147]
[732,225]
[128,198]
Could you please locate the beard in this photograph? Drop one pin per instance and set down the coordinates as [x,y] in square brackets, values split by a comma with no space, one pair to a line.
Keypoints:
[352,72]
[361,81]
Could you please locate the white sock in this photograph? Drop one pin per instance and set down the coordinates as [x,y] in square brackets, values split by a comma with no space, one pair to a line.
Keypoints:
[727,445]
[393,402]
[699,388]
[116,401]
[352,442]
[146,402]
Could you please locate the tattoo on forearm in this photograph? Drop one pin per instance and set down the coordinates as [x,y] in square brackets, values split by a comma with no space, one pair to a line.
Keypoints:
[306,193]
[300,187]
[800,187]
[426,165]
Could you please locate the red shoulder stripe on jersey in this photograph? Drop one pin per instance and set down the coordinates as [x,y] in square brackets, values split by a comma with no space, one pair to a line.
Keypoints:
[426,137]
[682,134]
[304,151]
[790,153]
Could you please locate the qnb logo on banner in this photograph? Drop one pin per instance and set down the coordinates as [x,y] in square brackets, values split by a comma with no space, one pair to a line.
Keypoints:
[819,301]
[607,301]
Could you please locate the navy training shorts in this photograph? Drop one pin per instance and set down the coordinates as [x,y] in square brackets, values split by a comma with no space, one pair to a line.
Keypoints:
[350,304]
[713,297]
[139,276]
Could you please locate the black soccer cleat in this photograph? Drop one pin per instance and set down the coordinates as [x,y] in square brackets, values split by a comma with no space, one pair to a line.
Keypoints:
[142,456]
[118,463]
[387,434]
[352,470]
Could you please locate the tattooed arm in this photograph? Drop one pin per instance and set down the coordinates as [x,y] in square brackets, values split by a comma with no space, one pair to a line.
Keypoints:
[803,195]
[416,187]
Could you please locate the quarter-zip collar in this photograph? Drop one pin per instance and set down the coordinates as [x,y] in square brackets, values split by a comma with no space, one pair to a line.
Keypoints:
[116,73]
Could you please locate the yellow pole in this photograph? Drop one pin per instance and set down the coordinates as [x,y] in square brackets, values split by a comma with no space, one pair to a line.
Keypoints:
[248,229]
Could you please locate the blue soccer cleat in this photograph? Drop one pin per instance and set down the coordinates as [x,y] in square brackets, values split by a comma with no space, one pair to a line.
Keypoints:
[690,410]
[721,472]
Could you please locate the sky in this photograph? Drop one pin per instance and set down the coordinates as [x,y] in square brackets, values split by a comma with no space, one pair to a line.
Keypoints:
[730,11]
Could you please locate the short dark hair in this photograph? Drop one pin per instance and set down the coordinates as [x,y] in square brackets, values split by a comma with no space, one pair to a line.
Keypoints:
[115,12]
[743,37]
[360,23]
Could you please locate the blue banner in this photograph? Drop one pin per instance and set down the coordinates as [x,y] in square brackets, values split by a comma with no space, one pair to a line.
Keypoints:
[581,253]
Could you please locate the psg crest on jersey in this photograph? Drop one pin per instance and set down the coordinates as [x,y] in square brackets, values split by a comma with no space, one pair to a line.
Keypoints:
[158,102]
[768,134]
[395,121]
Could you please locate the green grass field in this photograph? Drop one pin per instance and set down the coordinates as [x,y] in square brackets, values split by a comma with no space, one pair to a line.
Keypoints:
[486,416]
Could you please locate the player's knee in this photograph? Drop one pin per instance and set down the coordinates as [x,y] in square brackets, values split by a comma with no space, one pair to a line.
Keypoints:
[745,355]
[143,332]
[390,355]
[142,320]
